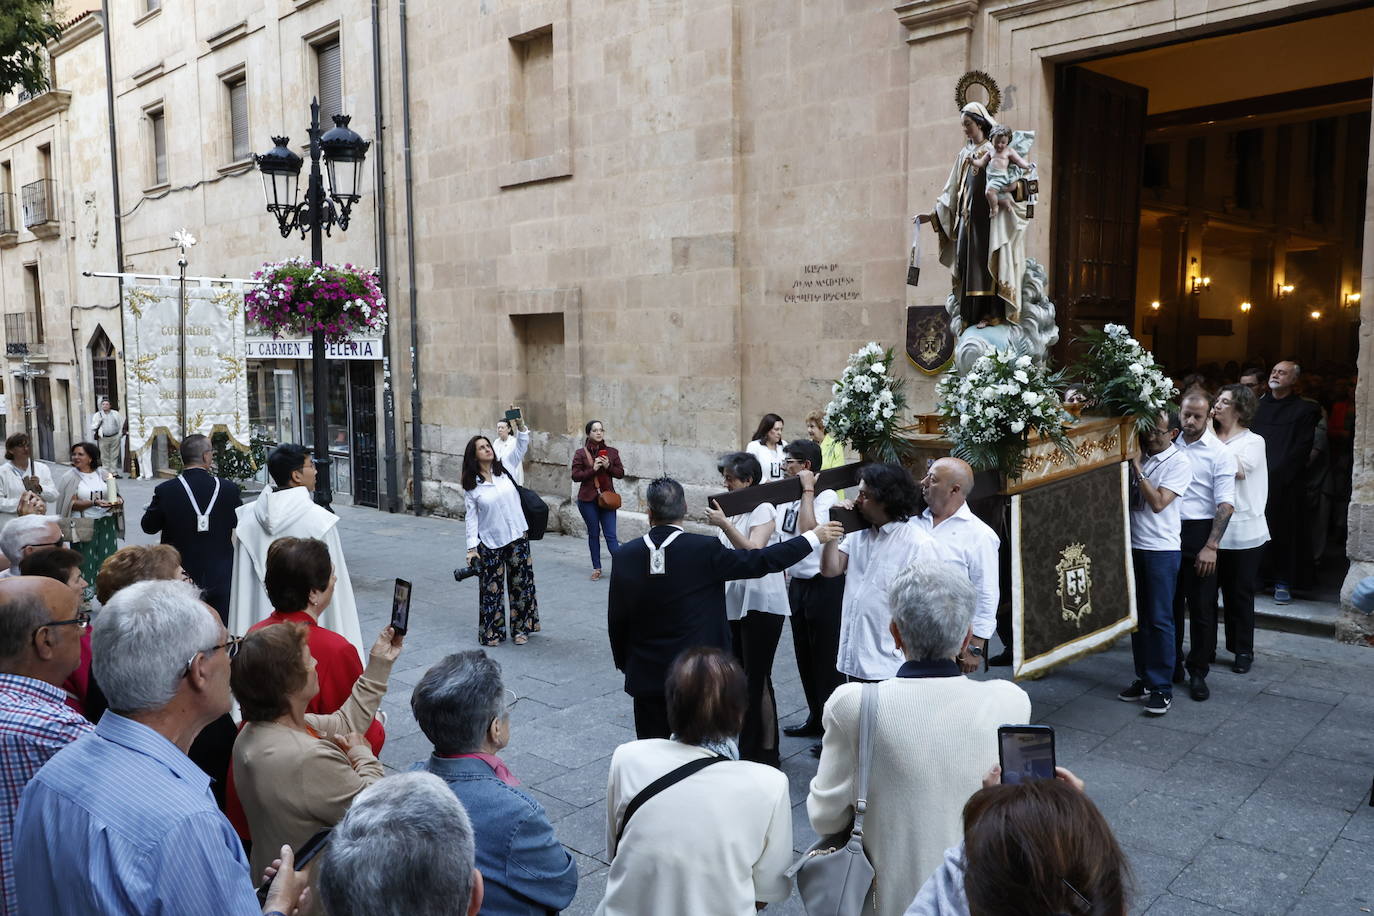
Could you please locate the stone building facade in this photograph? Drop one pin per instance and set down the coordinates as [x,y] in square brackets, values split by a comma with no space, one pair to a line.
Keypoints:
[61,328]
[675,216]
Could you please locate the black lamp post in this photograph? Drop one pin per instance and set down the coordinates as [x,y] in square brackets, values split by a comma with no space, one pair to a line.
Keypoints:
[344,152]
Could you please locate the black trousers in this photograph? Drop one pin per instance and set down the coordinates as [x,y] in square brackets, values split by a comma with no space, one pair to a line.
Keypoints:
[755,639]
[1284,513]
[1238,573]
[651,718]
[1195,599]
[816,606]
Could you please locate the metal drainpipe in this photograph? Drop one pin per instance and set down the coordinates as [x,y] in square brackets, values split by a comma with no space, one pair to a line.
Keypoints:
[379,163]
[114,172]
[416,463]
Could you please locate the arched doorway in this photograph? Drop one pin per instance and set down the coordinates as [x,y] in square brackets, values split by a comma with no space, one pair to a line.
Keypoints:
[104,375]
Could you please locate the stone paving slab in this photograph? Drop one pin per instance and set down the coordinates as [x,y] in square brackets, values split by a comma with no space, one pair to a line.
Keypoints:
[1254,802]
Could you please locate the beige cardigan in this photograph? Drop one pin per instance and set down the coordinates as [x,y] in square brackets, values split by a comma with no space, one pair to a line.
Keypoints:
[292,785]
[934,738]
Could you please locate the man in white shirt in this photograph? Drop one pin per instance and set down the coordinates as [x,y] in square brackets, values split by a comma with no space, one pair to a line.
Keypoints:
[869,560]
[816,601]
[948,519]
[106,427]
[1160,476]
[1205,509]
[288,510]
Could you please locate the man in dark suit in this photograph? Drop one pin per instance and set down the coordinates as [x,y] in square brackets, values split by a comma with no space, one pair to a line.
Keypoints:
[672,598]
[195,514]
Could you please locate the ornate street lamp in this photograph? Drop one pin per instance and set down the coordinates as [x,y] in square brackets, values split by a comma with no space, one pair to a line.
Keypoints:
[343,152]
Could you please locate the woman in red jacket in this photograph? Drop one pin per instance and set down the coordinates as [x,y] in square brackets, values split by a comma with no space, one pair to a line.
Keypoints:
[593,467]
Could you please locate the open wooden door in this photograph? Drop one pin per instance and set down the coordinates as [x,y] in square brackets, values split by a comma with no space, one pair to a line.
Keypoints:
[1099,130]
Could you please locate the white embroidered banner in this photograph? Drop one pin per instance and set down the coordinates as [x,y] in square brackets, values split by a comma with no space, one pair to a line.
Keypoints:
[216,365]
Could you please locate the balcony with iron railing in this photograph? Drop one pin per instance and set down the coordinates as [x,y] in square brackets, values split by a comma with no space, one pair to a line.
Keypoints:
[19,337]
[40,208]
[9,225]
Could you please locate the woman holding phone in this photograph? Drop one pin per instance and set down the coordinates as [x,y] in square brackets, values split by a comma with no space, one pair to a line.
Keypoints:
[593,468]
[498,546]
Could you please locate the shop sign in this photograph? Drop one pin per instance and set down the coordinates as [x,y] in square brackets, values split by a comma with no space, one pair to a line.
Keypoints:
[292,348]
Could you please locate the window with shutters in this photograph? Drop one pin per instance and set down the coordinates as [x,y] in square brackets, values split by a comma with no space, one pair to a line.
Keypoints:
[157,146]
[239,142]
[329,80]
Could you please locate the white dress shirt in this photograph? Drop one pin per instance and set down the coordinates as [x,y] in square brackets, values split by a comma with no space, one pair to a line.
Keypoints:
[1150,530]
[492,512]
[510,451]
[974,545]
[1248,528]
[867,650]
[1214,477]
[766,593]
[106,424]
[769,458]
[810,567]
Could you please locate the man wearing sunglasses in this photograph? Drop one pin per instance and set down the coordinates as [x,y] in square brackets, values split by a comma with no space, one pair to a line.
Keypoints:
[122,821]
[40,645]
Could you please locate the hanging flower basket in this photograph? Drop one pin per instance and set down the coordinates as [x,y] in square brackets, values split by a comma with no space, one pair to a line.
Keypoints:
[299,297]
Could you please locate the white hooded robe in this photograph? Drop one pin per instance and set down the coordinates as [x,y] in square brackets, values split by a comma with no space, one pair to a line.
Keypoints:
[279,514]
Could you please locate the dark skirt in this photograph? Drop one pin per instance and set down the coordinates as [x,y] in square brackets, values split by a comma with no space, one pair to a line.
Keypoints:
[977,288]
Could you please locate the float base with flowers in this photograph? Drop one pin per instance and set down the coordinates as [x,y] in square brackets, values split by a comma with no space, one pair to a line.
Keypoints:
[1053,485]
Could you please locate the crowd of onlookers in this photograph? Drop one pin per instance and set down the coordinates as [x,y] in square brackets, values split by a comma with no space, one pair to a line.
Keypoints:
[150,760]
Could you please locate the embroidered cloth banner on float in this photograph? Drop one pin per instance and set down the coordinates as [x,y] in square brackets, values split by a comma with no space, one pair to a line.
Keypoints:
[216,367]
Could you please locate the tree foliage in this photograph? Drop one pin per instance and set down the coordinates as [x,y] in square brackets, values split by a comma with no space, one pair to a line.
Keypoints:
[26,26]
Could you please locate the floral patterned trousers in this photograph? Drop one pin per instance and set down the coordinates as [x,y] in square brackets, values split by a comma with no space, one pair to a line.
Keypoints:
[512,563]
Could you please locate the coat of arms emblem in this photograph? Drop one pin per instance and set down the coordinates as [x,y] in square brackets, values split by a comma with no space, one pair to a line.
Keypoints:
[1075,583]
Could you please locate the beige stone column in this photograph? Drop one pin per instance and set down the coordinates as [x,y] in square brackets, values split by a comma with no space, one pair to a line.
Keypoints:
[1355,626]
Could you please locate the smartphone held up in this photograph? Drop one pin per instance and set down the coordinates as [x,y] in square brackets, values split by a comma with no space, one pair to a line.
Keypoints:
[1026,753]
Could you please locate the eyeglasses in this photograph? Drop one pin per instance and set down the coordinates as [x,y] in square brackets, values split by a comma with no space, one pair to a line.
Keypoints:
[57,543]
[80,621]
[511,699]
[230,647]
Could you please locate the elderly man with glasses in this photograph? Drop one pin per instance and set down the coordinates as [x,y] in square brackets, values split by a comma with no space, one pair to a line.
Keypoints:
[464,710]
[40,646]
[28,534]
[122,821]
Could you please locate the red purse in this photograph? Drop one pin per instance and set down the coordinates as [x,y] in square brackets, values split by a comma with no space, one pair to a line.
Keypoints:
[605,499]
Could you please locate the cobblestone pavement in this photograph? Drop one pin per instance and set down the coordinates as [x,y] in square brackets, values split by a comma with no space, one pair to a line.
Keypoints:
[1255,802]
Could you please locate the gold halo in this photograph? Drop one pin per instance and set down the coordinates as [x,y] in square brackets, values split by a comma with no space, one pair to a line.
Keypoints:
[978,78]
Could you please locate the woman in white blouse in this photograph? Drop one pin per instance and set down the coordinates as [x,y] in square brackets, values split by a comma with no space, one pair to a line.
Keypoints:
[1242,546]
[83,496]
[497,546]
[756,608]
[766,446]
[716,843]
[511,449]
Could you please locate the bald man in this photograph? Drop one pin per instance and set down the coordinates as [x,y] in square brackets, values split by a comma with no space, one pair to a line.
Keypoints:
[948,519]
[40,646]
[1288,425]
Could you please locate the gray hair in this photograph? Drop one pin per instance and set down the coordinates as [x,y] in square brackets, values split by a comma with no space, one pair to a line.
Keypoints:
[405,848]
[20,532]
[20,614]
[456,700]
[666,500]
[932,604]
[143,638]
[741,466]
[193,449]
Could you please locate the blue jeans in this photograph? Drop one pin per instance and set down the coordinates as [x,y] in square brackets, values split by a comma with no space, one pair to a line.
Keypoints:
[598,520]
[1156,573]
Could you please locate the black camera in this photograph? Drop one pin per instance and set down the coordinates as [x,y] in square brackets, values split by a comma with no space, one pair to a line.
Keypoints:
[465,572]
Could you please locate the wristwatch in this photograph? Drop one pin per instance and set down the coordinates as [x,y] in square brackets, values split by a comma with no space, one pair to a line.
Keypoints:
[975,651]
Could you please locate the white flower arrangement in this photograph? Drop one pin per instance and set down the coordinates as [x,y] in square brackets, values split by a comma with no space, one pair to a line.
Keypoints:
[867,404]
[991,411]
[1121,376]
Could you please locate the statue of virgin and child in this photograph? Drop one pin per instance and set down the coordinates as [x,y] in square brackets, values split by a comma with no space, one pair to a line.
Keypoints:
[998,296]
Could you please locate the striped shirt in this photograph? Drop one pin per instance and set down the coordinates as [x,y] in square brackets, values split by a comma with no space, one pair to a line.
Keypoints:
[35,723]
[122,821]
